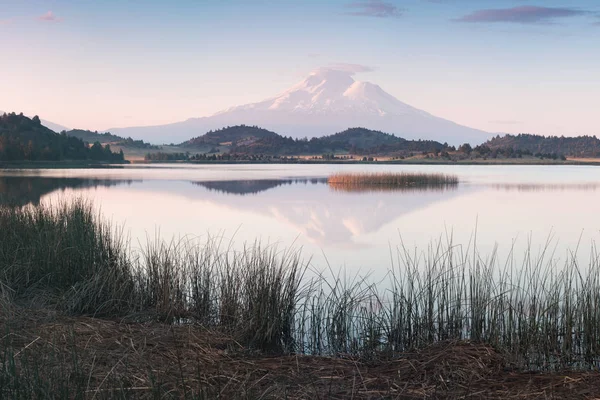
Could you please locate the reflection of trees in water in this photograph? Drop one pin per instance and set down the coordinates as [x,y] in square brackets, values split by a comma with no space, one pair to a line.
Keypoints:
[245,187]
[543,187]
[22,190]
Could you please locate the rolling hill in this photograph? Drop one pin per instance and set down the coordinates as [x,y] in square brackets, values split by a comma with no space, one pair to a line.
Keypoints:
[230,136]
[365,140]
[254,140]
[50,125]
[92,137]
[26,139]
[109,138]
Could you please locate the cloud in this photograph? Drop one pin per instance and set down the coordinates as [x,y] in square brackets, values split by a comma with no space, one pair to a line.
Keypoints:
[5,21]
[522,15]
[373,8]
[49,17]
[348,68]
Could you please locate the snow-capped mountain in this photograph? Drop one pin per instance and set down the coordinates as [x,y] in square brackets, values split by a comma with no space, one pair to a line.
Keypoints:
[326,102]
[327,92]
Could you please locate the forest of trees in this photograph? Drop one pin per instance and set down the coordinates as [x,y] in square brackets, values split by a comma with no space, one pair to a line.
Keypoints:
[580,146]
[245,139]
[252,140]
[230,134]
[161,156]
[26,139]
[93,136]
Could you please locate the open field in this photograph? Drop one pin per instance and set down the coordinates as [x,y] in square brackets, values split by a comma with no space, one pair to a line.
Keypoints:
[84,316]
[137,154]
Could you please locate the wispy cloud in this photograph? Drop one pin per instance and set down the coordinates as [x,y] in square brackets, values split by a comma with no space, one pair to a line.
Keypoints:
[522,15]
[349,68]
[373,8]
[5,21]
[49,17]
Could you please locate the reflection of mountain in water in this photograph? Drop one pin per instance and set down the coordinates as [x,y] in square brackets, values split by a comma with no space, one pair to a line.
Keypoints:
[324,216]
[243,187]
[22,190]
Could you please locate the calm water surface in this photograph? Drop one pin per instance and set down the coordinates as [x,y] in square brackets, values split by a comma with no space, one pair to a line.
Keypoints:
[496,207]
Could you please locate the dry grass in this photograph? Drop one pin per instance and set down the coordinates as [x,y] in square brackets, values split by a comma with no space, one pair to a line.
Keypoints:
[584,160]
[91,358]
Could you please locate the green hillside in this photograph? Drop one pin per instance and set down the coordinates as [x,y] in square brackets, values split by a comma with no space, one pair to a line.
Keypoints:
[359,138]
[231,136]
[352,141]
[26,139]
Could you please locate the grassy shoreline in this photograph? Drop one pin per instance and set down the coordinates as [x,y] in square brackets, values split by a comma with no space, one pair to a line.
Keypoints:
[82,315]
[76,164]
[390,162]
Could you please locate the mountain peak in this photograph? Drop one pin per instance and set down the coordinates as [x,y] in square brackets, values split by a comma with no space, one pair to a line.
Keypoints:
[332,91]
[332,77]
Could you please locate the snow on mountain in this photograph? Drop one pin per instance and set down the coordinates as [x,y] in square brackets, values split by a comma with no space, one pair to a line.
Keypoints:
[332,92]
[326,102]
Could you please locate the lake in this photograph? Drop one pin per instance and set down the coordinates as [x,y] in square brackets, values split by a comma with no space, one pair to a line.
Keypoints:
[503,210]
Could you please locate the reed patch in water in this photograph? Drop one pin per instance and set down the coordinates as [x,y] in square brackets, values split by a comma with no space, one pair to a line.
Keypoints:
[385,181]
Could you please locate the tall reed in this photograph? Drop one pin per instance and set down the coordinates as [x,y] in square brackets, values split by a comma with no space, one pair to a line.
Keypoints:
[542,316]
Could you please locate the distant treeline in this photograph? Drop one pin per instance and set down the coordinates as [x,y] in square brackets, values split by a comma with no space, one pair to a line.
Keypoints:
[200,157]
[486,151]
[162,156]
[136,144]
[26,139]
[253,140]
[353,141]
[580,146]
